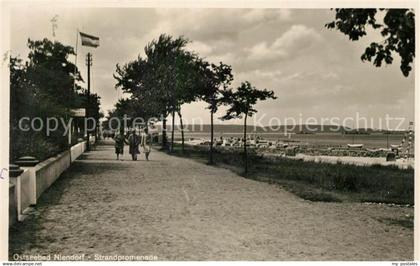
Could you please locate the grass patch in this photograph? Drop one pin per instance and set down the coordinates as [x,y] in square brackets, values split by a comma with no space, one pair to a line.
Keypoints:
[406,222]
[317,181]
[312,193]
[320,196]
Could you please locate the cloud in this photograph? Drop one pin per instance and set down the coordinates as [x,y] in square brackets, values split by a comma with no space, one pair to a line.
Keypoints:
[289,51]
[266,15]
[295,40]
[261,75]
[262,51]
[200,47]
[297,37]
[213,25]
[331,75]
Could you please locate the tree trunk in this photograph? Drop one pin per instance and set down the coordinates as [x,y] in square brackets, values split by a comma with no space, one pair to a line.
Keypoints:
[173,131]
[211,138]
[182,130]
[96,131]
[245,151]
[164,141]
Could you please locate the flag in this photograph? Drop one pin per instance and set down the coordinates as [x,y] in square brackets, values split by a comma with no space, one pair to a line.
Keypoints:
[89,40]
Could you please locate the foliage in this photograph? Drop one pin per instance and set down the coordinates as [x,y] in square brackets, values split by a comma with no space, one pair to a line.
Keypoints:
[166,57]
[170,76]
[241,104]
[156,79]
[398,31]
[162,82]
[242,101]
[43,87]
[214,79]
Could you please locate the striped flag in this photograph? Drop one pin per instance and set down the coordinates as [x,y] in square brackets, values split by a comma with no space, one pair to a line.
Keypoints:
[89,40]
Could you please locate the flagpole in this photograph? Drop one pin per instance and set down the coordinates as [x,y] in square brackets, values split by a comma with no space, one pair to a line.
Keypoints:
[74,81]
[91,41]
[75,61]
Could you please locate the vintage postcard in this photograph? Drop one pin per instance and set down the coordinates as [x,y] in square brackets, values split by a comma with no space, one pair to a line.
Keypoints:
[208,131]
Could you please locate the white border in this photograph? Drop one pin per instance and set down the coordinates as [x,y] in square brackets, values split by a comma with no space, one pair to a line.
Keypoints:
[4,89]
[4,132]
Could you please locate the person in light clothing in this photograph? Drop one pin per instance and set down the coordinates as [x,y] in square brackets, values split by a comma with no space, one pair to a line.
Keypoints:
[145,143]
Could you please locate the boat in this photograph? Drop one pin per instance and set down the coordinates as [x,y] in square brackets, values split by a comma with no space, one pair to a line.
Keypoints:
[355,146]
[378,150]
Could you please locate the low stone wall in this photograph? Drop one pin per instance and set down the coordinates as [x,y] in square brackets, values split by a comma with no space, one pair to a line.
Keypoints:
[77,150]
[49,170]
[12,204]
[23,192]
[29,186]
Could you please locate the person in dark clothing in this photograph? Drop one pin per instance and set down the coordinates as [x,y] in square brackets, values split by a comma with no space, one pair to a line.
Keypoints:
[133,143]
[119,145]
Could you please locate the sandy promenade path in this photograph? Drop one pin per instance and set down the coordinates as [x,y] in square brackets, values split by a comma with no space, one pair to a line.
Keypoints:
[179,209]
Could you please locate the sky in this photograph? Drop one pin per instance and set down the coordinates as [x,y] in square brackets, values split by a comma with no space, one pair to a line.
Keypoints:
[315,73]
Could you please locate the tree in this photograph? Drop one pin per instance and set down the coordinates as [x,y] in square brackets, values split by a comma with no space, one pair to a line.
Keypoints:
[136,79]
[162,55]
[42,87]
[22,104]
[51,74]
[214,80]
[188,85]
[92,108]
[162,82]
[397,29]
[131,77]
[241,104]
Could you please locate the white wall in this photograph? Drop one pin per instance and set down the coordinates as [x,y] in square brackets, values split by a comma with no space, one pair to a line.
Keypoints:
[12,204]
[22,191]
[48,171]
[30,185]
[77,150]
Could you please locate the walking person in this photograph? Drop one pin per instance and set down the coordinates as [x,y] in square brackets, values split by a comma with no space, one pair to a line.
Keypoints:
[133,143]
[119,144]
[145,143]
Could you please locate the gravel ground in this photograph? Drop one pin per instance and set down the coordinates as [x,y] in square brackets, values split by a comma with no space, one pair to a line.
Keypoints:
[179,209]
